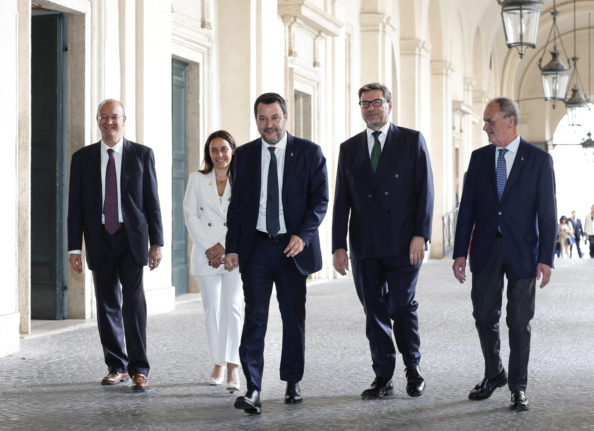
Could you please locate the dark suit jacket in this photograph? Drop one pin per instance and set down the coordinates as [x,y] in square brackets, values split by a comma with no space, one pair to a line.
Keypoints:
[526,213]
[577,228]
[304,198]
[140,201]
[387,208]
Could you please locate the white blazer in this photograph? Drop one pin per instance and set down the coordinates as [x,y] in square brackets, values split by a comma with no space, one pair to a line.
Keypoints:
[205,213]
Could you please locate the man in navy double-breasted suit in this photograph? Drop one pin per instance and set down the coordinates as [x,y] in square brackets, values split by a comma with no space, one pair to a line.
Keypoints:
[384,184]
[278,200]
[114,203]
[507,219]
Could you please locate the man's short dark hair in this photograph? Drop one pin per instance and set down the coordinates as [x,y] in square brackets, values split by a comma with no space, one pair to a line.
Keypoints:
[269,99]
[376,86]
[507,107]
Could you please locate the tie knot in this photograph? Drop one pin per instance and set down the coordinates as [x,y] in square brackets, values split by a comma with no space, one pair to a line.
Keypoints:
[376,133]
[271,149]
[110,152]
[502,152]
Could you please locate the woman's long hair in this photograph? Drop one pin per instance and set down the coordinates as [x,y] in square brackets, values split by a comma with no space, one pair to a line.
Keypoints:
[207,162]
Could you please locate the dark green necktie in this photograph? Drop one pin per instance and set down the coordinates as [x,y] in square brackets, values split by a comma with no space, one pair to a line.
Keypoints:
[376,151]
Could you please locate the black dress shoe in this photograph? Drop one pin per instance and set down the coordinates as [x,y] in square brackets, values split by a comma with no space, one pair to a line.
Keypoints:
[485,388]
[380,387]
[250,402]
[415,383]
[293,393]
[519,402]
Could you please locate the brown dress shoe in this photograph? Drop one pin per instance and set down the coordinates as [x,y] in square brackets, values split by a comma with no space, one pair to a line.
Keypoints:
[139,382]
[114,378]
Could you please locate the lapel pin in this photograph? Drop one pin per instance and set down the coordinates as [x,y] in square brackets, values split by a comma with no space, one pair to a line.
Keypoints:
[291,153]
[522,158]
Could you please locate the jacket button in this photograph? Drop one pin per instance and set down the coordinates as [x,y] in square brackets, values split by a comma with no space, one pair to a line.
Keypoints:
[369,196]
[386,193]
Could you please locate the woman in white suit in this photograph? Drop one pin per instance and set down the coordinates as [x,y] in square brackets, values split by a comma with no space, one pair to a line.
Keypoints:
[205,210]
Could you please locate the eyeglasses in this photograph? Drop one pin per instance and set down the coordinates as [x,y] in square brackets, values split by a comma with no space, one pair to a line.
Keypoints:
[376,103]
[106,117]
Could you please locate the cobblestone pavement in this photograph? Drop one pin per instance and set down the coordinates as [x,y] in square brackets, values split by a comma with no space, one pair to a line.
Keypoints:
[53,382]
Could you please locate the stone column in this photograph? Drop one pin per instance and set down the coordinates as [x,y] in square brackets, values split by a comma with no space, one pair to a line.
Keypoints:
[414,93]
[14,55]
[153,127]
[441,146]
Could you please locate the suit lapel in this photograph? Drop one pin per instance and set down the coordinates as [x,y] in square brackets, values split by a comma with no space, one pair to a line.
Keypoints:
[389,152]
[94,169]
[290,161]
[490,168]
[517,167]
[128,159]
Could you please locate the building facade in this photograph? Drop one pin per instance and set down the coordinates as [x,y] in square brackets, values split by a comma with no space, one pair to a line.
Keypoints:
[184,68]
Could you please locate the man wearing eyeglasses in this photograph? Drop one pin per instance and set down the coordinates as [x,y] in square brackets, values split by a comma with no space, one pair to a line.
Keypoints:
[114,203]
[384,184]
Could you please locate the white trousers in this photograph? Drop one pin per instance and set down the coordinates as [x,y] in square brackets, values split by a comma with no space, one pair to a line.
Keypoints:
[222,299]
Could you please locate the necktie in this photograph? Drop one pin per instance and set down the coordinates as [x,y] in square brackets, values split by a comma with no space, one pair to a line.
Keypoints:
[272,223]
[501,172]
[376,151]
[110,205]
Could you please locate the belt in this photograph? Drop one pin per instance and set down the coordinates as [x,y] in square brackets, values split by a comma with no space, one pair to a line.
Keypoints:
[278,237]
[498,234]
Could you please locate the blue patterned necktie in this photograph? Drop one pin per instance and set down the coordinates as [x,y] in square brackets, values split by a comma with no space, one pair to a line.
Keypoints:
[376,151]
[501,172]
[272,223]
[110,204]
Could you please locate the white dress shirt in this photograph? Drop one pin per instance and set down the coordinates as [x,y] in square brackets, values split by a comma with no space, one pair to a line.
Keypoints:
[510,155]
[382,137]
[281,147]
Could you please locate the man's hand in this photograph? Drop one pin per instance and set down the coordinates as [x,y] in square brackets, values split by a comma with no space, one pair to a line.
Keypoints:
[340,260]
[459,268]
[155,256]
[231,261]
[295,246]
[216,251]
[545,271]
[75,262]
[417,250]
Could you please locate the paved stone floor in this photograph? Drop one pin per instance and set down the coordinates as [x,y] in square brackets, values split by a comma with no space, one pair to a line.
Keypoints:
[53,382]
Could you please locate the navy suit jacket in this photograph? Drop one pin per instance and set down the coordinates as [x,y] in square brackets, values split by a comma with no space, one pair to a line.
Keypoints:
[141,211]
[526,214]
[389,207]
[578,231]
[304,197]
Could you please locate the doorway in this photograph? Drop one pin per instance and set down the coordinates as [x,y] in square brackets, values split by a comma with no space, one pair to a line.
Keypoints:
[48,162]
[179,114]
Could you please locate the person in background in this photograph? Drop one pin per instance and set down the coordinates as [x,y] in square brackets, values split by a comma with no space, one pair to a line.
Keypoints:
[589,230]
[205,209]
[564,236]
[578,232]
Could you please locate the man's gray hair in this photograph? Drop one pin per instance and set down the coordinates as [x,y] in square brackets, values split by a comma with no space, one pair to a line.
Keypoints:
[507,107]
[106,101]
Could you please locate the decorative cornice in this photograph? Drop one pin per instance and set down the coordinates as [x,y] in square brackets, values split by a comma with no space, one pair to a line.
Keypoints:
[311,16]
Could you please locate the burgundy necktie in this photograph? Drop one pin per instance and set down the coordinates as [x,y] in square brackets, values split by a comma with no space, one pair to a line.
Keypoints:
[110,205]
